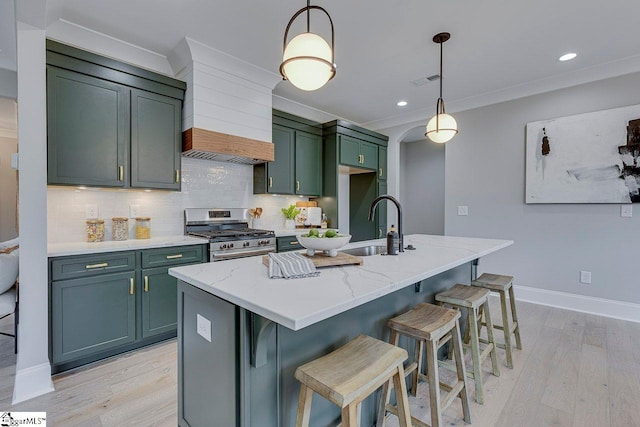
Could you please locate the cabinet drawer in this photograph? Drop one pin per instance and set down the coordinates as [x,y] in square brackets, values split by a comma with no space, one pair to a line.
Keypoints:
[91,265]
[287,243]
[172,256]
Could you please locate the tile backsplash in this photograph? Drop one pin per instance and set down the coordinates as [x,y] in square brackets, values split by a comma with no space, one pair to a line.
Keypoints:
[204,184]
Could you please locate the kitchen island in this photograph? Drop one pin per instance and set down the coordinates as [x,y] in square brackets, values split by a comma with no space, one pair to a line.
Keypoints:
[241,335]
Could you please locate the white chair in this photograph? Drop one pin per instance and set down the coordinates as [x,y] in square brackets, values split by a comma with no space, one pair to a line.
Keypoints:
[9,285]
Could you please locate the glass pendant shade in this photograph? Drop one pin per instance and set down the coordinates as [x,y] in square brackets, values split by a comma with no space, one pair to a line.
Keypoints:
[442,131]
[307,62]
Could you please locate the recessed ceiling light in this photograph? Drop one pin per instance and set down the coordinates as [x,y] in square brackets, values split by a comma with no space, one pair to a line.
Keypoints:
[567,57]
[402,103]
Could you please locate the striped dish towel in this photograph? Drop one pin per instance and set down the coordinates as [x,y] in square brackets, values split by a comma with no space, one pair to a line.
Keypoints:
[290,265]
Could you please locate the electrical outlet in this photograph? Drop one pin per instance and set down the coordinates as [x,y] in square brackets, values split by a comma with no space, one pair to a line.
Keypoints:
[626,211]
[204,327]
[15,161]
[91,211]
[134,211]
[463,210]
[585,277]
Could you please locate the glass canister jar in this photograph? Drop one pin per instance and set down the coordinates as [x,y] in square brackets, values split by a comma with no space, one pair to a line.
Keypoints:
[120,228]
[143,227]
[95,230]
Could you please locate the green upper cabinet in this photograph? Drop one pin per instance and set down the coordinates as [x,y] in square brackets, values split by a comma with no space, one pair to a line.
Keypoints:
[308,164]
[156,140]
[87,131]
[110,124]
[382,163]
[358,153]
[280,171]
[297,168]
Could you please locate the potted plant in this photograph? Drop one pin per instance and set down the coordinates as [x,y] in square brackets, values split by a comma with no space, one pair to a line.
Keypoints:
[290,215]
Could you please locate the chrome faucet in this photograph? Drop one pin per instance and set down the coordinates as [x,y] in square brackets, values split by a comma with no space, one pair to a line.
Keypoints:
[398,207]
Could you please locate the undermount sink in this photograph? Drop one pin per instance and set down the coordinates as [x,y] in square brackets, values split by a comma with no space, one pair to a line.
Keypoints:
[366,250]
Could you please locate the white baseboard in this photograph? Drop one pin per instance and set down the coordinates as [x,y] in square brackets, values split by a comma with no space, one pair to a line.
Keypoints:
[32,382]
[585,304]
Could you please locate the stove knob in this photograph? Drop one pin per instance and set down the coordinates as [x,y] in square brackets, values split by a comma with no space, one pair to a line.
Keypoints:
[230,245]
[223,246]
[245,244]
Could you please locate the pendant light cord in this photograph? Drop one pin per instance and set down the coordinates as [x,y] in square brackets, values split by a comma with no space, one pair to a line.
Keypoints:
[309,18]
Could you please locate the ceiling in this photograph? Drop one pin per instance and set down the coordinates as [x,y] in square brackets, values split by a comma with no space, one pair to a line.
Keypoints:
[383,45]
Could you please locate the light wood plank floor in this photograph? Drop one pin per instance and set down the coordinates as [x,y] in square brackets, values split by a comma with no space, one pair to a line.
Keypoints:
[575,370]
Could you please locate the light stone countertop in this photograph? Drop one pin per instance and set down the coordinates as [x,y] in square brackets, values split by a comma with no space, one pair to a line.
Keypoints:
[298,303]
[83,248]
[282,232]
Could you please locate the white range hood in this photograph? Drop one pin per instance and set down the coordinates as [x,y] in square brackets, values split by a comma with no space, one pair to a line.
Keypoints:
[227,106]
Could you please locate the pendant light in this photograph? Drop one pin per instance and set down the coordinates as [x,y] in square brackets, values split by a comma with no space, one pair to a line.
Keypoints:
[307,61]
[442,127]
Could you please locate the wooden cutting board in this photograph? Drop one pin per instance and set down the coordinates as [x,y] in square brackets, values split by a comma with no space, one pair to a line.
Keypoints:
[323,260]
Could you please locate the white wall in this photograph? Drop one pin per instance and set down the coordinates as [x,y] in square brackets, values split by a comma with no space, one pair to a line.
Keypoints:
[485,169]
[8,189]
[422,186]
[8,83]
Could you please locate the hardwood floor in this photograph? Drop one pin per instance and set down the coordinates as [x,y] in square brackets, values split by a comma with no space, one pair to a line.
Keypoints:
[575,369]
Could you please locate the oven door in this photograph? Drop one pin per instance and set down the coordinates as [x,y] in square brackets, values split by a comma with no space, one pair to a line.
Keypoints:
[239,253]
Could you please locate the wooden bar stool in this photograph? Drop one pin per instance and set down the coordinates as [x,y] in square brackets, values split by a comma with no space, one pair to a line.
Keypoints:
[473,298]
[503,284]
[434,326]
[349,374]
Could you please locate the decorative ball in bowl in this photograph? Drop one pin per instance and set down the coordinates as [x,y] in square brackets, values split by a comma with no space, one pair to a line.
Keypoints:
[329,241]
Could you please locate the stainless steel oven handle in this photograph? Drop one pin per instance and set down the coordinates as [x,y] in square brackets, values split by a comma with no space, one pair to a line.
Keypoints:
[221,256]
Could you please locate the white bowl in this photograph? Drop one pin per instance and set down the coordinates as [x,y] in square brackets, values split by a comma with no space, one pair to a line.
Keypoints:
[326,244]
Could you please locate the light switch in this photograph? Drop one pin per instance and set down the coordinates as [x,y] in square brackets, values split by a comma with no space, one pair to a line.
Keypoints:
[91,211]
[134,211]
[14,161]
[626,211]
[204,327]
[463,210]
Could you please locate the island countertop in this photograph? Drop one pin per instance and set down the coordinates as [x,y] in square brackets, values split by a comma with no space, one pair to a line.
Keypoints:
[298,303]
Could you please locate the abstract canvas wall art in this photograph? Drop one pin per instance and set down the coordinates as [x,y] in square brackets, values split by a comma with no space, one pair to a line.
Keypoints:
[587,158]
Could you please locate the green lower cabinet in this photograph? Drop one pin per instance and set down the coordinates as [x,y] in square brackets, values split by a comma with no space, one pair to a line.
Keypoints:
[159,302]
[92,314]
[287,243]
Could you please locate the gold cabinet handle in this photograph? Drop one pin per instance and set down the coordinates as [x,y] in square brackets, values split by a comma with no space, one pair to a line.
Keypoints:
[359,159]
[294,243]
[102,264]
[380,232]
[380,171]
[131,287]
[146,283]
[270,182]
[120,173]
[174,256]
[177,175]
[297,185]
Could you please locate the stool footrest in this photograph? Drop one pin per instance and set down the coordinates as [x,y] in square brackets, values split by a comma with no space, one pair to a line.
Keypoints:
[513,327]
[454,391]
[498,344]
[414,421]
[452,367]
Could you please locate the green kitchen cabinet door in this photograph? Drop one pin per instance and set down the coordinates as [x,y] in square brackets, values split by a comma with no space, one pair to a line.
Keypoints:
[369,154]
[87,130]
[92,314]
[159,302]
[280,171]
[350,151]
[381,214]
[156,140]
[382,163]
[308,164]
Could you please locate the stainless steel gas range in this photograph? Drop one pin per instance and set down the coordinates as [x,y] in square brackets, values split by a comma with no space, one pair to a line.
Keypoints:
[228,233]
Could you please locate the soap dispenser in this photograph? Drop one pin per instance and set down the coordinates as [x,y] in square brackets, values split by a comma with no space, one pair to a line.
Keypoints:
[393,242]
